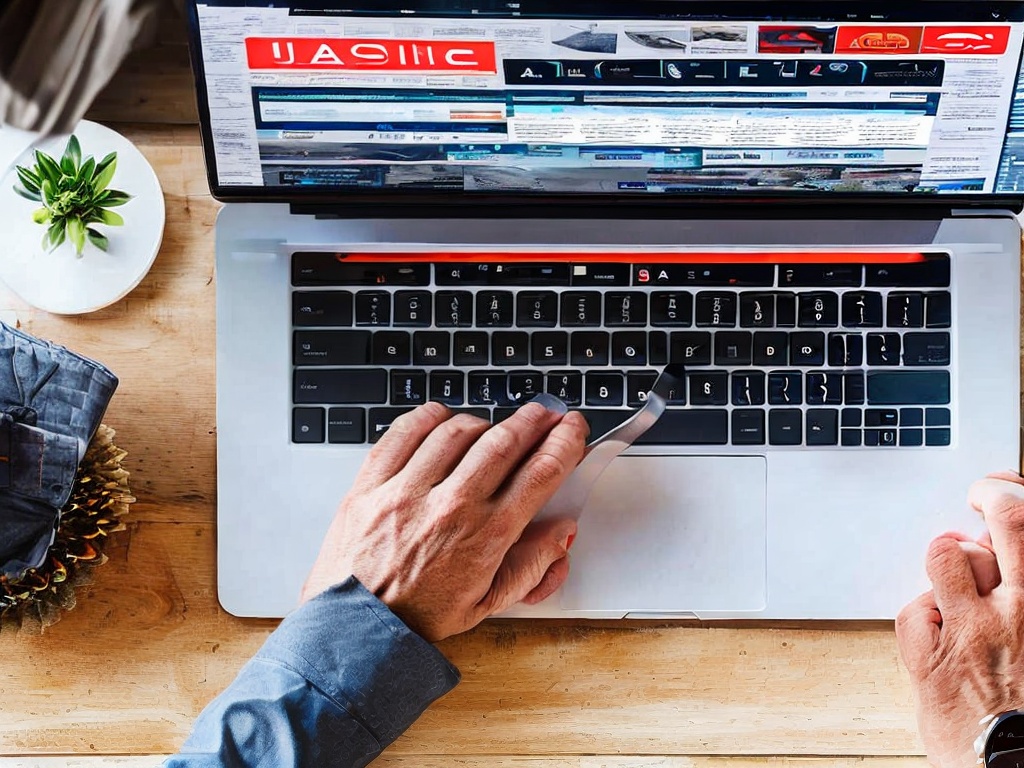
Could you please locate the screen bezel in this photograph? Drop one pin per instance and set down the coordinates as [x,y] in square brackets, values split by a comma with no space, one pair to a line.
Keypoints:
[404,202]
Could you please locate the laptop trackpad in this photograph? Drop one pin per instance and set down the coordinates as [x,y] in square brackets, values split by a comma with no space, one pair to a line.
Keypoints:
[672,534]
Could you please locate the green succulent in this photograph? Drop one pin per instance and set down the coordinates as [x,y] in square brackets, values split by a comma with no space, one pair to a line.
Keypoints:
[74,194]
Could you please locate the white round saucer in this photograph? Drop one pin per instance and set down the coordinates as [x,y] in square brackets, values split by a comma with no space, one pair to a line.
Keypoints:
[58,281]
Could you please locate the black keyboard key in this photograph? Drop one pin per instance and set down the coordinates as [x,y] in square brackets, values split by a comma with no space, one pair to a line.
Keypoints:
[853,388]
[479,413]
[852,417]
[488,388]
[881,417]
[638,386]
[453,309]
[933,272]
[926,349]
[550,348]
[605,389]
[331,347]
[412,309]
[408,387]
[716,310]
[431,348]
[629,348]
[757,310]
[845,350]
[938,417]
[657,348]
[588,348]
[471,348]
[883,349]
[704,275]
[938,310]
[672,309]
[510,348]
[625,309]
[567,386]
[734,348]
[824,388]
[392,348]
[523,386]
[785,388]
[604,421]
[911,438]
[851,438]
[307,425]
[317,268]
[373,308]
[340,387]
[690,348]
[702,426]
[881,438]
[905,310]
[499,415]
[909,388]
[581,309]
[807,349]
[785,310]
[708,388]
[346,425]
[785,426]
[448,387]
[494,309]
[748,427]
[938,437]
[862,310]
[821,275]
[537,309]
[822,427]
[771,348]
[911,417]
[381,419]
[818,310]
[748,388]
[318,309]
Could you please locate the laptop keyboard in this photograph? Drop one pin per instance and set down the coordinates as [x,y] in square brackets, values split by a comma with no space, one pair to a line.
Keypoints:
[852,352]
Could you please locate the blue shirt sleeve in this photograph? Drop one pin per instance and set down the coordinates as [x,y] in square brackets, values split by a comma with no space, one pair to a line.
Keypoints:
[338,681]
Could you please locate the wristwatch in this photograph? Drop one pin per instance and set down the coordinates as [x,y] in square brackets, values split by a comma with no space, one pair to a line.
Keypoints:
[1001,744]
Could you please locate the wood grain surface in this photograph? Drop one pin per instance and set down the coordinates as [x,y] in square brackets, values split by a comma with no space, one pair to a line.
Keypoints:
[120,679]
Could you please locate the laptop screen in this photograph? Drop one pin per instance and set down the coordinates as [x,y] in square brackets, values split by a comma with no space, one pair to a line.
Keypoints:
[671,98]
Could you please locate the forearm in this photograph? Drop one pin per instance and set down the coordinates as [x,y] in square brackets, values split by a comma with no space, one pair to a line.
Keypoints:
[339,680]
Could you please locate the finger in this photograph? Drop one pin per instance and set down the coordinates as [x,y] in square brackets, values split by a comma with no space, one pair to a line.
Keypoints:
[1001,503]
[555,577]
[984,566]
[952,578]
[526,563]
[543,472]
[443,449]
[496,455]
[399,443]
[917,633]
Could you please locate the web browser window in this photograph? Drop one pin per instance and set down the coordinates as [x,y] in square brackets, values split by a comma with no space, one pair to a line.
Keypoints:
[924,98]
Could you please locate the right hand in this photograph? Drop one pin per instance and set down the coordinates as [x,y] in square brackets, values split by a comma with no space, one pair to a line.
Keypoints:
[438,522]
[963,642]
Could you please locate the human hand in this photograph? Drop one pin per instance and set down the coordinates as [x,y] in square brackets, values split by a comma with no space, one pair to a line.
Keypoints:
[438,521]
[963,642]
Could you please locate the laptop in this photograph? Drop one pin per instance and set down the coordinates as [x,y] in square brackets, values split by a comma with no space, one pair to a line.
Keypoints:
[812,206]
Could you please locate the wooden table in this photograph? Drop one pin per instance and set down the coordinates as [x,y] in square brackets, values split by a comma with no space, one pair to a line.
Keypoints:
[127,671]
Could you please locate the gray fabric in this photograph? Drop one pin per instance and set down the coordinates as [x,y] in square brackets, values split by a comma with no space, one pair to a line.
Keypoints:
[57,55]
[51,404]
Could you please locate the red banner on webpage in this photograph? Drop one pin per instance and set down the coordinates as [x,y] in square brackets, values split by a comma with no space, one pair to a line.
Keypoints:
[968,41]
[900,40]
[352,54]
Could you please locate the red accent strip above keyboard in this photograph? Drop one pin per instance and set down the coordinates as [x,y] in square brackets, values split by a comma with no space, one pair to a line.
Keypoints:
[647,257]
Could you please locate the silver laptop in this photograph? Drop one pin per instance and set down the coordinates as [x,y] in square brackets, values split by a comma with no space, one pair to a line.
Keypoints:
[475,201]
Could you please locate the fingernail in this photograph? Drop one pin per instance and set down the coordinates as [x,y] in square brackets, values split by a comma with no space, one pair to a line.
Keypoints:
[569,541]
[552,403]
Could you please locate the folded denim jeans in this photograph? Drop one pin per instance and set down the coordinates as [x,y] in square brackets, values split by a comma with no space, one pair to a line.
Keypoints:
[51,404]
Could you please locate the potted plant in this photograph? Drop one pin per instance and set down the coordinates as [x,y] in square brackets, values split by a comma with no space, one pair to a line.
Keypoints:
[75,195]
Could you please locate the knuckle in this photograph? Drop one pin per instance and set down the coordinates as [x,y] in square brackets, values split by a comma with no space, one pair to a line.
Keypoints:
[1009,510]
[545,468]
[942,555]
[465,424]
